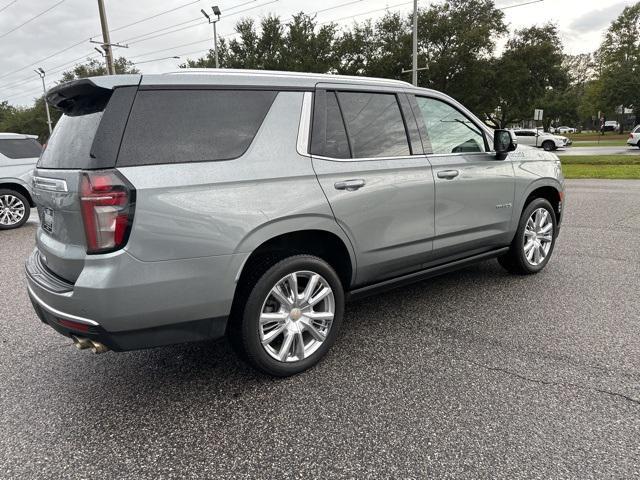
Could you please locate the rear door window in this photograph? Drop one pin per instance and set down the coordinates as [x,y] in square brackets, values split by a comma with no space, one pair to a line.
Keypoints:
[374,124]
[20,148]
[178,126]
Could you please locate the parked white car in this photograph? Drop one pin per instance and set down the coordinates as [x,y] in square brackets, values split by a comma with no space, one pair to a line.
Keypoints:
[536,138]
[18,156]
[634,137]
[564,130]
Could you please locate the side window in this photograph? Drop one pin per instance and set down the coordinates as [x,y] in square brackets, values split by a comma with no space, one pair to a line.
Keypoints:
[20,148]
[337,145]
[374,124]
[449,130]
[178,126]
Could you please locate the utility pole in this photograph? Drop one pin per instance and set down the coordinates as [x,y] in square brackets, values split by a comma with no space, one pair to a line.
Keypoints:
[217,13]
[414,70]
[41,73]
[106,40]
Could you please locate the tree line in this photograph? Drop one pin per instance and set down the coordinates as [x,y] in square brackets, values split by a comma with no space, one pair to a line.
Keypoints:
[457,55]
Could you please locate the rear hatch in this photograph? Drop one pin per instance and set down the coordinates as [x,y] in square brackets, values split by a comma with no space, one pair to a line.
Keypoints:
[81,152]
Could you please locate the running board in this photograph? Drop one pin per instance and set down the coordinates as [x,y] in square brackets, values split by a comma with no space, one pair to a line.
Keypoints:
[423,274]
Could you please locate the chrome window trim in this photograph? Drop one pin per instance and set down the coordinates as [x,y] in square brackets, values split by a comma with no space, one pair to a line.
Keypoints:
[50,184]
[403,157]
[304,129]
[58,313]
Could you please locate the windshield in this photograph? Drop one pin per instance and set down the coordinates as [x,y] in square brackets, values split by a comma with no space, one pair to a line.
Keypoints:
[20,148]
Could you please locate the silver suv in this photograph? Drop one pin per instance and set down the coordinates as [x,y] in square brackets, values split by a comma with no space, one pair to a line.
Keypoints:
[18,156]
[193,205]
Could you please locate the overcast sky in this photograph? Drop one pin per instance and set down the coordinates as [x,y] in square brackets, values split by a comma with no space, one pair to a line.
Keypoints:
[68,25]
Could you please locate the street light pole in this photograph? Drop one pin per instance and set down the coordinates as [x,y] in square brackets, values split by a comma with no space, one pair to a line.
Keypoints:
[217,13]
[41,73]
[414,71]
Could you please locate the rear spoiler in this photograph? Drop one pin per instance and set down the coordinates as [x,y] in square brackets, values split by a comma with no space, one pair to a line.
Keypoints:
[87,95]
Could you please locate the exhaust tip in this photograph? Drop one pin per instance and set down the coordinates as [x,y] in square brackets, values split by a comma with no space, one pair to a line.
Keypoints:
[97,347]
[81,343]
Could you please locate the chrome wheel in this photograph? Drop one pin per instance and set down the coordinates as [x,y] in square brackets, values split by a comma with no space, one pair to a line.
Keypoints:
[538,236]
[12,210]
[296,316]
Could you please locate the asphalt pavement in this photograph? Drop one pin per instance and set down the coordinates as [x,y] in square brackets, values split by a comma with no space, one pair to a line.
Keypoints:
[476,374]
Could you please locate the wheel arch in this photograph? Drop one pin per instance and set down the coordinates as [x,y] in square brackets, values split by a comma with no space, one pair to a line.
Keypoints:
[330,244]
[548,189]
[18,187]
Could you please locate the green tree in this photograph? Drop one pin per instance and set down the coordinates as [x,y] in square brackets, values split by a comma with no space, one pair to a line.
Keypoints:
[530,71]
[619,57]
[301,45]
[30,120]
[96,68]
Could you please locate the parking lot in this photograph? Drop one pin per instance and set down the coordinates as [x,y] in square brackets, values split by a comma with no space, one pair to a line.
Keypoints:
[476,374]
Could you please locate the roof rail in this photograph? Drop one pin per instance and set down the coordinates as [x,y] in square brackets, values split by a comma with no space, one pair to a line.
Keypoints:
[286,74]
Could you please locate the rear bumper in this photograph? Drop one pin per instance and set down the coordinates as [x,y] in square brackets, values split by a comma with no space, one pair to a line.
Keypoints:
[193,331]
[126,304]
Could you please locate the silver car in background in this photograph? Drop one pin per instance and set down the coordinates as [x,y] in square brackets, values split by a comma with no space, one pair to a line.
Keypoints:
[18,156]
[199,204]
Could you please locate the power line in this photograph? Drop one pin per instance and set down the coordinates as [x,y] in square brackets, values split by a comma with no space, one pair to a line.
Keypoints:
[49,70]
[8,5]
[154,16]
[520,4]
[198,24]
[366,13]
[32,19]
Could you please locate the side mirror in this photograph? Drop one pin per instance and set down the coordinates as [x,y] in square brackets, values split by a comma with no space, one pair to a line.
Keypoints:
[504,141]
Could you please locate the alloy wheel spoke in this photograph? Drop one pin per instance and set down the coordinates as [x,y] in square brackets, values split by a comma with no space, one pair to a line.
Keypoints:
[285,348]
[273,334]
[315,333]
[529,245]
[273,317]
[293,285]
[281,297]
[319,315]
[310,288]
[298,345]
[547,228]
[545,238]
[319,296]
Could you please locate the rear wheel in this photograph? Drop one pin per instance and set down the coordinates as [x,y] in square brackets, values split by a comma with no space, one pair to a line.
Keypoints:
[290,317]
[535,238]
[14,209]
[548,145]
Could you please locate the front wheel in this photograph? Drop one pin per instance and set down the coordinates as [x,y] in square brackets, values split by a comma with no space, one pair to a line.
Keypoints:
[548,146]
[535,238]
[291,316]
[14,209]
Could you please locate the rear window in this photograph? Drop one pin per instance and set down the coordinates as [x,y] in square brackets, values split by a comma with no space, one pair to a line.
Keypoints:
[70,142]
[20,148]
[178,126]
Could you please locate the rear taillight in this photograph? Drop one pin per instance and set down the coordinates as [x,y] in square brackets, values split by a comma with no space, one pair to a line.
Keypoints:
[107,202]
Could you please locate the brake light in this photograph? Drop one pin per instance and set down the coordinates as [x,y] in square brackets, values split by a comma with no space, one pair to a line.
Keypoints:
[107,202]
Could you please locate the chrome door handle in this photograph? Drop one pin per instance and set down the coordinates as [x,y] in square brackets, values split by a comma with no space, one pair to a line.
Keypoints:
[448,174]
[350,185]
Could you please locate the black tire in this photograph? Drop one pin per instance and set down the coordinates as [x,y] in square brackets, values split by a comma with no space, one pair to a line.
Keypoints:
[515,260]
[244,330]
[548,146]
[25,204]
